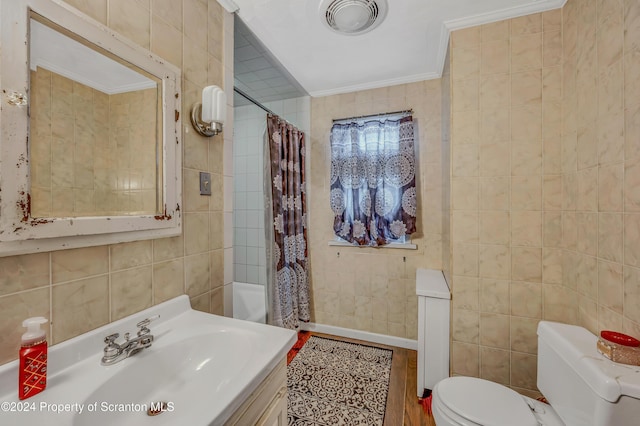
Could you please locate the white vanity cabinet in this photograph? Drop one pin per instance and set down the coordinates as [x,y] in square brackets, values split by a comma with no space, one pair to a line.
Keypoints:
[267,405]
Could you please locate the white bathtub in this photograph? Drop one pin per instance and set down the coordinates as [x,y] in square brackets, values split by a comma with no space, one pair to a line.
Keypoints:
[249,302]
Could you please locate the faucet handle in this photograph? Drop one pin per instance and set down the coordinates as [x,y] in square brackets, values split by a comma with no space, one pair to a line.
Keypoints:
[142,325]
[111,338]
[145,322]
[112,350]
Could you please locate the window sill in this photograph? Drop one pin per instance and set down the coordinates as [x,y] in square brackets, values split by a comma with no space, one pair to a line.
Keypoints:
[401,246]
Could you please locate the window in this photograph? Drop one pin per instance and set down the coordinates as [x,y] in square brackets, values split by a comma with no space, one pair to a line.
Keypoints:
[373,185]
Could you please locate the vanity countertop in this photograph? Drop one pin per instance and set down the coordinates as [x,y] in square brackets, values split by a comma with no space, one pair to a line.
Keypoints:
[202,366]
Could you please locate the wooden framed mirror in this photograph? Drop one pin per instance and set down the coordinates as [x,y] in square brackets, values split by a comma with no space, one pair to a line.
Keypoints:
[90,147]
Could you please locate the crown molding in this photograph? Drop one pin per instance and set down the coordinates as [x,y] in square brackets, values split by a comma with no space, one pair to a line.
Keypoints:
[229,5]
[502,14]
[375,84]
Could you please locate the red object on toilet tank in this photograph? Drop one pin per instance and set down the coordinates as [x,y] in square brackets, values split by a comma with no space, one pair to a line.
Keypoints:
[619,338]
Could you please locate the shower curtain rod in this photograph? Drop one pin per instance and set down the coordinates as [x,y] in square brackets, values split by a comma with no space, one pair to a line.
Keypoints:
[253,101]
[406,111]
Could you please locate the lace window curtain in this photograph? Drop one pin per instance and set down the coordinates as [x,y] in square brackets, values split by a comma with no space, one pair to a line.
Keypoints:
[288,286]
[373,184]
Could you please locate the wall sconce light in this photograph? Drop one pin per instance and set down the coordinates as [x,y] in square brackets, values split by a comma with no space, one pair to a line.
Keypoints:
[208,117]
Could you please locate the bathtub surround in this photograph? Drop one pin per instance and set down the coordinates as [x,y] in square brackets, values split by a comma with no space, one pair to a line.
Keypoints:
[248,205]
[82,289]
[544,177]
[249,302]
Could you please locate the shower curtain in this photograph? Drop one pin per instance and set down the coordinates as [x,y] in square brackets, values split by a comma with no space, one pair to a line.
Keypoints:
[285,225]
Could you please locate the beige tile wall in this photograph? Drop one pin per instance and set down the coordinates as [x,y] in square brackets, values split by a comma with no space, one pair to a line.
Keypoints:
[85,288]
[86,163]
[131,130]
[543,182]
[63,112]
[364,288]
[501,92]
[600,175]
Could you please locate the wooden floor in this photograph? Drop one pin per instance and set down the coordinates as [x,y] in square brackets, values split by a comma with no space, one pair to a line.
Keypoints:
[403,407]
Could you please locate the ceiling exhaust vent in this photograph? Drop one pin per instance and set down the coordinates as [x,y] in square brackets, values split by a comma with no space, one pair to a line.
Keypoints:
[352,17]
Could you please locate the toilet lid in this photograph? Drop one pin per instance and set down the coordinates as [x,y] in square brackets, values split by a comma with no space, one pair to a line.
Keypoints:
[484,402]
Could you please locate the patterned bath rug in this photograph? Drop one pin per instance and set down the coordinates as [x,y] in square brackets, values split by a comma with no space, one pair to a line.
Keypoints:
[338,383]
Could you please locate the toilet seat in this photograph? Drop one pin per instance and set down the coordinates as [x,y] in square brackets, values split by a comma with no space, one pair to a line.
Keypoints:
[471,401]
[443,416]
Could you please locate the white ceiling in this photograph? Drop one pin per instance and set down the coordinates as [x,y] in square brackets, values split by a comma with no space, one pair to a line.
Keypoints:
[409,45]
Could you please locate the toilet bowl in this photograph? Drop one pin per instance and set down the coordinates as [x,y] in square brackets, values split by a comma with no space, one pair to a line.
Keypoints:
[468,401]
[582,386]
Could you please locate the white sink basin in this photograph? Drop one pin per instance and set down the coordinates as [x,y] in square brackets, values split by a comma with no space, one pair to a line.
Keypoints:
[168,374]
[202,366]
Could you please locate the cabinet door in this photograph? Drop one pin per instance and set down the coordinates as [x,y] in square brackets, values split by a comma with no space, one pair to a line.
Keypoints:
[262,403]
[276,413]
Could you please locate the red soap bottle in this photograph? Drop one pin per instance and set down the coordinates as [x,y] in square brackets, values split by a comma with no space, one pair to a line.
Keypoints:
[32,378]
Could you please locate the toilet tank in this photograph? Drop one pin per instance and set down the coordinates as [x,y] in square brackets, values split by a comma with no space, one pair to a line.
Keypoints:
[583,386]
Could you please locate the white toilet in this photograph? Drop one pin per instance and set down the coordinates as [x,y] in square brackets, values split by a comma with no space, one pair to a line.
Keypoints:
[582,386]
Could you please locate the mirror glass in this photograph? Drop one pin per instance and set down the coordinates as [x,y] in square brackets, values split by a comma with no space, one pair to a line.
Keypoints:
[95,125]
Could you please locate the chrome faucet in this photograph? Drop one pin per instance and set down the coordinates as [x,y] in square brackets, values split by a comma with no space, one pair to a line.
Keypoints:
[116,352]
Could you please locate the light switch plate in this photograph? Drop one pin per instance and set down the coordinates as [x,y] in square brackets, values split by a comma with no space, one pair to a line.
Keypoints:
[205,183]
